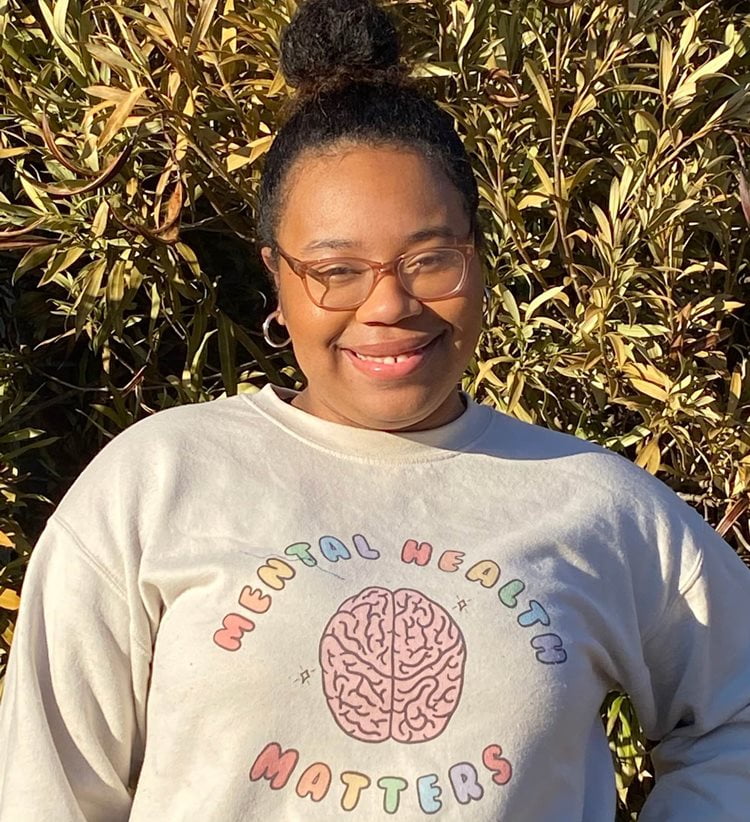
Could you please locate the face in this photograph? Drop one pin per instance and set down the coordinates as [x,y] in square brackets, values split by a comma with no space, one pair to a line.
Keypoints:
[376,204]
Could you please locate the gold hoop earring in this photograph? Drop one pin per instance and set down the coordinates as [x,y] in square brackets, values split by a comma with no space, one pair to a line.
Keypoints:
[267,337]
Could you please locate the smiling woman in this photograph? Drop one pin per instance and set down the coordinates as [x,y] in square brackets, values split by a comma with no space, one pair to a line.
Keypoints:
[374,596]
[390,354]
[368,167]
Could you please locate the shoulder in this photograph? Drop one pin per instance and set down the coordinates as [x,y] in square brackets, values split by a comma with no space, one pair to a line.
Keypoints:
[185,430]
[157,452]
[610,509]
[564,464]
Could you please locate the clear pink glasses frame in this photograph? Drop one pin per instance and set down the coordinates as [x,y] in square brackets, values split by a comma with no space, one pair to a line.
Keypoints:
[302,269]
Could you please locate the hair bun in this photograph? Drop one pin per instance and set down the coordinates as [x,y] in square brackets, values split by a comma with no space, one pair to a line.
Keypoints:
[333,40]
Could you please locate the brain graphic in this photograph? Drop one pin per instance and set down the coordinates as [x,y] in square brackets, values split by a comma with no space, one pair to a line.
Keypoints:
[392,665]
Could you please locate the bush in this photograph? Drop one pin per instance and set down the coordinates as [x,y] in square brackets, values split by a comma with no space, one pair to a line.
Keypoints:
[610,142]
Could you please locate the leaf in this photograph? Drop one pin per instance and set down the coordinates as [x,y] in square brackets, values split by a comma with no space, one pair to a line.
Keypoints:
[744,185]
[533,200]
[735,389]
[710,67]
[737,510]
[99,223]
[583,105]
[604,225]
[202,24]
[92,275]
[546,181]
[582,173]
[665,65]
[9,600]
[64,258]
[445,69]
[649,456]
[250,153]
[228,354]
[35,258]
[120,115]
[538,301]
[542,89]
[58,32]
[649,389]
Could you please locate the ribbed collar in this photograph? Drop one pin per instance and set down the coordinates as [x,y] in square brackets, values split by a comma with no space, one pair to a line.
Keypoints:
[412,446]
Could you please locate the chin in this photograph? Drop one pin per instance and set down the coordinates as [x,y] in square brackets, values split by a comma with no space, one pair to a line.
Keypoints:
[392,410]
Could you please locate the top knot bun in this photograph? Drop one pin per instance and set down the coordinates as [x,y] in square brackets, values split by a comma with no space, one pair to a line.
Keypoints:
[333,41]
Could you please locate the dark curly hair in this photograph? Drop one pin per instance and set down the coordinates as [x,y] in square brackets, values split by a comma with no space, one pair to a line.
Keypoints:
[343,57]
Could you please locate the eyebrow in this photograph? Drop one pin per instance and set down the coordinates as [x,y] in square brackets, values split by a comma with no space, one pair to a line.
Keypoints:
[442,232]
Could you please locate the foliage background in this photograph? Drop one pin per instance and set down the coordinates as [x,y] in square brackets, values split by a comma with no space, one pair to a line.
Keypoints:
[611,141]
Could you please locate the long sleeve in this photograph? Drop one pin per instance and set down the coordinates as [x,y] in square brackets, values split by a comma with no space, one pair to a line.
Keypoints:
[72,718]
[694,697]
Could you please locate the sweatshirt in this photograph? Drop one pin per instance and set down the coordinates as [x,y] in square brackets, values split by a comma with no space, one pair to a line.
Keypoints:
[241,611]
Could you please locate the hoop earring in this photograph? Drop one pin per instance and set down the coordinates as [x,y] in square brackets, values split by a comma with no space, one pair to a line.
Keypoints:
[266,336]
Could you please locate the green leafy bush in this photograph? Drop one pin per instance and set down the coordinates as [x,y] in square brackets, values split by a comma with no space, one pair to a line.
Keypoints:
[611,143]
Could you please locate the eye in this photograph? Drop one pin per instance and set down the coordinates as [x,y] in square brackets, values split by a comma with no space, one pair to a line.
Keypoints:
[427,261]
[339,271]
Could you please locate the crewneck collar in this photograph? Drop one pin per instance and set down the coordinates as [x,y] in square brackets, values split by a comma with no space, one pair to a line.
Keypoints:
[433,443]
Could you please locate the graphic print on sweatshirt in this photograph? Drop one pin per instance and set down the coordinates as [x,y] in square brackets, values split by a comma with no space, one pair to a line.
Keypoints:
[392,666]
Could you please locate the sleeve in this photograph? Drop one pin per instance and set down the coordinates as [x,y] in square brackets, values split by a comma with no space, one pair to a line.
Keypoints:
[694,694]
[72,717]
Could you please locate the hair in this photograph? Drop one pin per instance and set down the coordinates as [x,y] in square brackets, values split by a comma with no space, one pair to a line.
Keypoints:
[344,59]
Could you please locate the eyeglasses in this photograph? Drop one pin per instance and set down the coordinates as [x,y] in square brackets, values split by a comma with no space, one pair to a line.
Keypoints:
[345,283]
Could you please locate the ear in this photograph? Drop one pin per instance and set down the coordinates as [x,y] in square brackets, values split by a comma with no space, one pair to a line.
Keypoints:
[271,263]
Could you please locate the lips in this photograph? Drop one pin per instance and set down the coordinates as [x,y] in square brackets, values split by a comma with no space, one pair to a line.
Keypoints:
[399,361]
[393,348]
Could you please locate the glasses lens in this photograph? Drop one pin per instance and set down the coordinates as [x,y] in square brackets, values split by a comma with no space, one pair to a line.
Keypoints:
[339,283]
[433,273]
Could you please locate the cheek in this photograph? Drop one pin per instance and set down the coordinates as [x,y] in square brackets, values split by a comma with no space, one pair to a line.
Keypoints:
[466,313]
[312,329]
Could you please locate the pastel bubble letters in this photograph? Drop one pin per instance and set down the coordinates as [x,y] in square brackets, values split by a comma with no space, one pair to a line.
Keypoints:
[333,549]
[428,792]
[314,782]
[535,615]
[354,784]
[230,636]
[450,560]
[549,649]
[494,761]
[510,592]
[392,786]
[486,573]
[465,783]
[254,600]
[273,765]
[362,547]
[301,550]
[276,766]
[419,553]
[275,573]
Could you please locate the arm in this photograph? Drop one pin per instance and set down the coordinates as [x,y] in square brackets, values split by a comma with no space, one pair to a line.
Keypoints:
[72,717]
[694,694]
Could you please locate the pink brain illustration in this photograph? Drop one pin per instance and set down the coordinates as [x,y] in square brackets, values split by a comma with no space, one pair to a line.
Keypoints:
[392,665]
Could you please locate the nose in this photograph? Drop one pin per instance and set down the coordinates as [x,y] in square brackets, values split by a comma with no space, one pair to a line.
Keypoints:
[388,302]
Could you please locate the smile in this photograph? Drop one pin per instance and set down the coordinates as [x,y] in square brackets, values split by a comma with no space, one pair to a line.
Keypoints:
[399,365]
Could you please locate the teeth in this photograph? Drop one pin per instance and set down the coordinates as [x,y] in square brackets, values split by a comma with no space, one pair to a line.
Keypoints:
[387,360]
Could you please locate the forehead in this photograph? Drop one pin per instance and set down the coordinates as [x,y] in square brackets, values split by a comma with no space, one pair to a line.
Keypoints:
[367,196]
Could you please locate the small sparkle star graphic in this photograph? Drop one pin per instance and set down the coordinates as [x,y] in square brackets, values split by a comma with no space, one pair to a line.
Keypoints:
[461,604]
[305,675]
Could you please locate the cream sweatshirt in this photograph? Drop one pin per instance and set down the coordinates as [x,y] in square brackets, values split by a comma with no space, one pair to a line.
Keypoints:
[243,612]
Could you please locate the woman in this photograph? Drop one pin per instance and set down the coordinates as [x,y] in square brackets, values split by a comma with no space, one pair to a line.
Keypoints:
[373,597]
